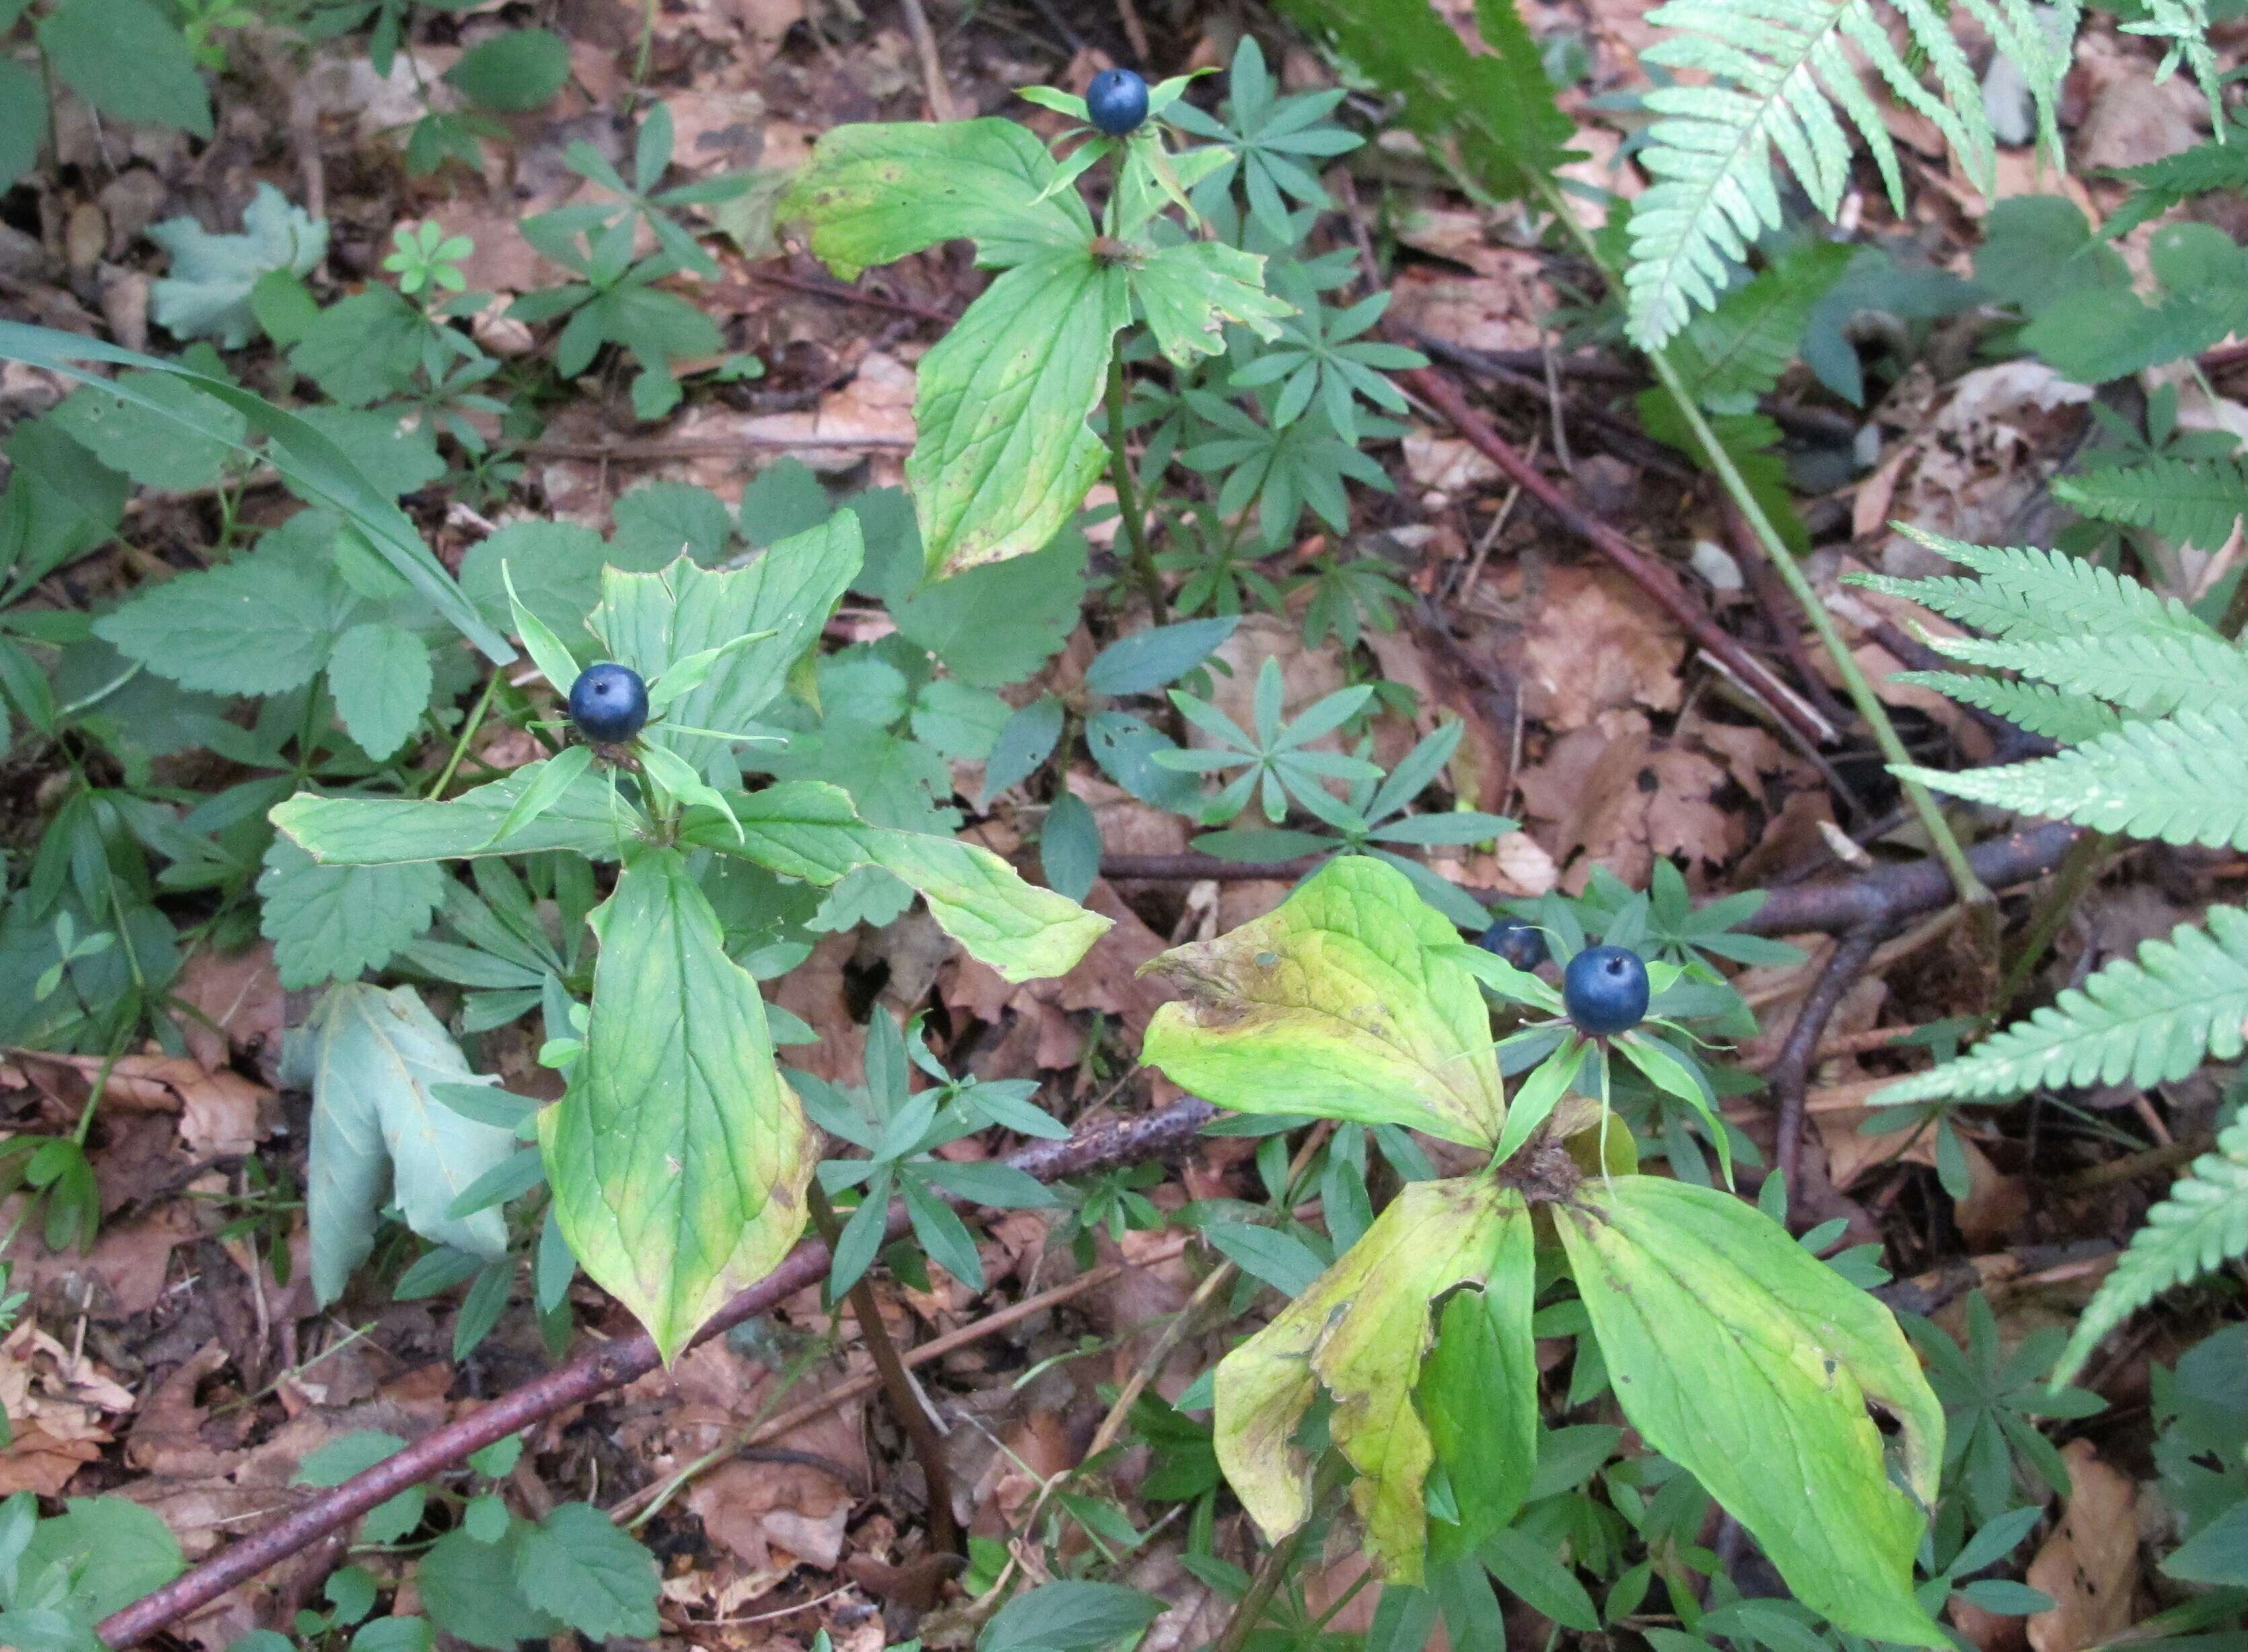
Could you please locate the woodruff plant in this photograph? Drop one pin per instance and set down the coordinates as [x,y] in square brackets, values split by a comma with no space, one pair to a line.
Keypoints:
[1730,1347]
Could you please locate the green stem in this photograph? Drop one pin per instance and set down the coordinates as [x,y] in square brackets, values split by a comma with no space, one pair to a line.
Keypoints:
[1279,1561]
[1982,907]
[2077,869]
[1128,498]
[468,733]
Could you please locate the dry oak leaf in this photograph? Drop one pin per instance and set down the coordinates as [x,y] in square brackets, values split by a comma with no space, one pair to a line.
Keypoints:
[1596,644]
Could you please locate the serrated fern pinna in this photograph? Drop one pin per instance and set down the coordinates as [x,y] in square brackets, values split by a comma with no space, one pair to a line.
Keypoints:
[2150,706]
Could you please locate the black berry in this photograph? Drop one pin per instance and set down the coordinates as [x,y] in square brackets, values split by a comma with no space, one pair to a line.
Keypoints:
[1604,991]
[1116,101]
[1519,942]
[608,704]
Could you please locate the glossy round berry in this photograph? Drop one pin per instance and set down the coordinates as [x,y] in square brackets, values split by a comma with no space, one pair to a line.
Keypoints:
[1604,991]
[608,704]
[1116,101]
[1521,942]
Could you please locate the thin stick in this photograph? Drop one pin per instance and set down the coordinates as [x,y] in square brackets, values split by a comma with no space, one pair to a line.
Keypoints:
[940,106]
[1643,570]
[2078,869]
[1123,1142]
[1791,1074]
[905,1400]
[1128,500]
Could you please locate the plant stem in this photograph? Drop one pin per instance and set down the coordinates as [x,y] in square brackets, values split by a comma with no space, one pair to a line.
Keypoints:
[468,733]
[1982,907]
[2077,869]
[1128,498]
[1279,1561]
[943,1529]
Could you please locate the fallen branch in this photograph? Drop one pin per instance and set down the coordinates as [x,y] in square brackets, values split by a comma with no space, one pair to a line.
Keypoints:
[1124,1141]
[1791,1074]
[1883,897]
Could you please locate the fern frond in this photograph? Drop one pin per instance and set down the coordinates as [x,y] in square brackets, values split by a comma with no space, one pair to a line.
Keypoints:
[2183,779]
[2187,501]
[1732,355]
[2146,1020]
[2203,1224]
[2154,672]
[2220,163]
[2184,24]
[2035,595]
[2057,715]
[1778,68]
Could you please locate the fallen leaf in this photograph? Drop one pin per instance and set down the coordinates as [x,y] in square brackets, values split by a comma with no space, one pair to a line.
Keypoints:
[2089,1565]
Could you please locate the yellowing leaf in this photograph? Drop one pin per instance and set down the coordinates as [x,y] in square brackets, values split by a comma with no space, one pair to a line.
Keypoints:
[1360,1332]
[1004,456]
[1339,1003]
[1739,1355]
[678,1157]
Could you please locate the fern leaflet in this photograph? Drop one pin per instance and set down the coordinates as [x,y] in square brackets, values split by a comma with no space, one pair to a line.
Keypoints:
[2187,501]
[2202,1224]
[2148,1021]
[2154,672]
[1777,69]
[2038,707]
[2035,596]
[2221,163]
[2183,780]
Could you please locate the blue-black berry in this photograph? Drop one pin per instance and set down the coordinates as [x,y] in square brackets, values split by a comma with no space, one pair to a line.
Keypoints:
[1521,942]
[1604,991]
[1116,101]
[608,704]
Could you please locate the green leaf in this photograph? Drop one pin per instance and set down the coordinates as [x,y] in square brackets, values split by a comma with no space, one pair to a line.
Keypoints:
[1733,1350]
[119,1550]
[1339,1003]
[1003,456]
[556,660]
[263,623]
[1479,1395]
[2217,1554]
[1735,353]
[313,466]
[513,72]
[2195,502]
[876,193]
[23,120]
[1069,847]
[379,1136]
[2201,1223]
[333,923]
[2093,335]
[152,448]
[209,293]
[999,623]
[470,1591]
[2182,779]
[1071,1616]
[585,1569]
[678,1157]
[1190,289]
[1492,111]
[655,621]
[1145,661]
[1773,80]
[380,678]
[123,58]
[803,829]
[588,817]
[1359,1332]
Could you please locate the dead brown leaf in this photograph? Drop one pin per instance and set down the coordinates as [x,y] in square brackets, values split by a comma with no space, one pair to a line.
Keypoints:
[1596,645]
[2090,1564]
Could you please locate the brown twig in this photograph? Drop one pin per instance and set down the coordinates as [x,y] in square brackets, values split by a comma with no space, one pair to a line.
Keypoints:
[654,449]
[1123,1141]
[841,294]
[1791,1074]
[904,1399]
[1650,576]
